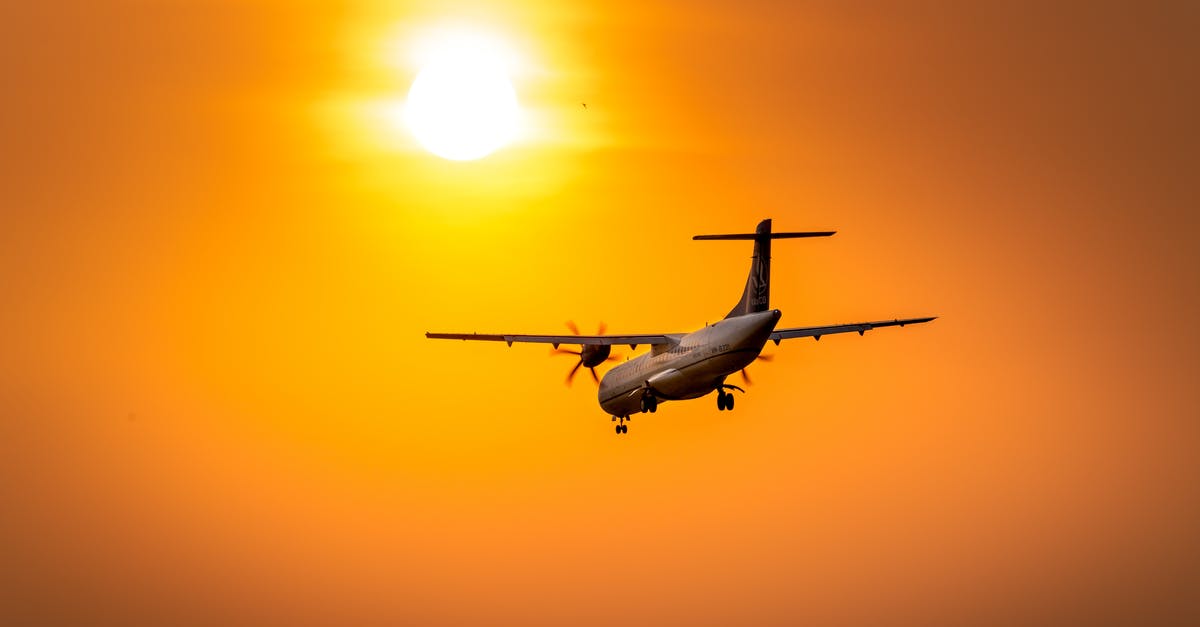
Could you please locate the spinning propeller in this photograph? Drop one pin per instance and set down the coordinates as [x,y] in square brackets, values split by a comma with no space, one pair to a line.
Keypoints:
[590,355]
[746,377]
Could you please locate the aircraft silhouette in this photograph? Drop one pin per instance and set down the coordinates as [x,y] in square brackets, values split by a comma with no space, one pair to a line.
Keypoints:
[682,366]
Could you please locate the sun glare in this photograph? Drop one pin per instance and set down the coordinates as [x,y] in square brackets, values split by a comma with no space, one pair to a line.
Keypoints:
[462,105]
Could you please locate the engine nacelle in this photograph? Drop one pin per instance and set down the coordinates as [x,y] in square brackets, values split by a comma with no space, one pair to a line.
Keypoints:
[593,355]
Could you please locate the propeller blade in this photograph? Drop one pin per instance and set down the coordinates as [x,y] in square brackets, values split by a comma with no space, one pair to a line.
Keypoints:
[602,329]
[594,377]
[746,377]
[571,374]
[571,325]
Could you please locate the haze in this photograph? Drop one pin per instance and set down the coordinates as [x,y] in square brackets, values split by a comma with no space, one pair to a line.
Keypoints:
[219,256]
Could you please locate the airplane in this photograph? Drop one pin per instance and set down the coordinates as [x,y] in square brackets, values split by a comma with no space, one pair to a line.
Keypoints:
[683,366]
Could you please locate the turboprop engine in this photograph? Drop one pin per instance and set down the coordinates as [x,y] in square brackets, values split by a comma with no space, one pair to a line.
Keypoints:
[590,355]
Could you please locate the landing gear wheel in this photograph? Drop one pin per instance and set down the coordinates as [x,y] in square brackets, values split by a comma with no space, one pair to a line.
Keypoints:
[721,400]
[624,428]
[619,429]
[729,402]
[653,401]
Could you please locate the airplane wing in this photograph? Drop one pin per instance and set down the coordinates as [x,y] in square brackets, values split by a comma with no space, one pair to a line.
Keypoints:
[858,327]
[555,340]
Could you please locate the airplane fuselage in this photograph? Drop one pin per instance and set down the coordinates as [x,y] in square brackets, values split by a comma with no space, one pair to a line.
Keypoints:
[694,365]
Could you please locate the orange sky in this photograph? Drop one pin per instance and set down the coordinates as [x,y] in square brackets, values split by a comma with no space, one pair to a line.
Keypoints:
[218,258]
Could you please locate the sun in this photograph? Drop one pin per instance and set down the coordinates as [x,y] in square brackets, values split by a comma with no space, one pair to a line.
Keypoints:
[462,105]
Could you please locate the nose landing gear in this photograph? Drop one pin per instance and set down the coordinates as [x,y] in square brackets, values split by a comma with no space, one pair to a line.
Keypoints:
[622,427]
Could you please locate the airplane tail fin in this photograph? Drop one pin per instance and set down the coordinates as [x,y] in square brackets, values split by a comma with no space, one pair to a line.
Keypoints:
[757,294]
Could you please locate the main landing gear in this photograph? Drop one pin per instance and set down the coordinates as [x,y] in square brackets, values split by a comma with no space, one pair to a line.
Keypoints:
[649,403]
[725,399]
[622,428]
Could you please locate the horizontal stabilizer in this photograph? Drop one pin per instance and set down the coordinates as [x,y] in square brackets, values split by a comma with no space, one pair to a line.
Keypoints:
[755,236]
